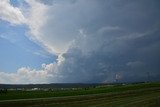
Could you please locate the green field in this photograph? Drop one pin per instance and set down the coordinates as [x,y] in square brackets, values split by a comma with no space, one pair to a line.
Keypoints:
[131,95]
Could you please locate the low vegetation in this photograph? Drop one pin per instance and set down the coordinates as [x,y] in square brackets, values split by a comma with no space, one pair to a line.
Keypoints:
[121,95]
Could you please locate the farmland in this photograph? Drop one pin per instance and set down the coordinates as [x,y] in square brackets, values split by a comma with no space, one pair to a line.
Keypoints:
[141,94]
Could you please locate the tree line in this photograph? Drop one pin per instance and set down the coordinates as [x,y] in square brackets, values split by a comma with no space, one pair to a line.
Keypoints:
[3,91]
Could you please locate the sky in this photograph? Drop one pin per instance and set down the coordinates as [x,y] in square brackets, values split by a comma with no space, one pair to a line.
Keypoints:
[79,41]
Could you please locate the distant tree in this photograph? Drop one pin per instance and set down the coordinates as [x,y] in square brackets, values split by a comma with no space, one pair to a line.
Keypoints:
[3,91]
[49,89]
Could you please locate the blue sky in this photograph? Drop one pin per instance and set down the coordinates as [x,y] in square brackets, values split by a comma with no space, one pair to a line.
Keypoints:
[79,41]
[18,51]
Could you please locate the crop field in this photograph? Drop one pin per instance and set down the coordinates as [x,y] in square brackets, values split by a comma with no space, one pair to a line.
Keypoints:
[124,95]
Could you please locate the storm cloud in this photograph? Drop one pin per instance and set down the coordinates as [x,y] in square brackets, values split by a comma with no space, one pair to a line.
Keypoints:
[99,40]
[116,38]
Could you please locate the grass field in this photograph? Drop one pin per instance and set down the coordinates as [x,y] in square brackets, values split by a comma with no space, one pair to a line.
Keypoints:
[131,95]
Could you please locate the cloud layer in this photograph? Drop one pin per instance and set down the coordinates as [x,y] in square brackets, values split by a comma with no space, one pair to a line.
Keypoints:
[96,41]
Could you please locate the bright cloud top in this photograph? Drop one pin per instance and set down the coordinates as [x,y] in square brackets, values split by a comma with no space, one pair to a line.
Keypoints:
[95,41]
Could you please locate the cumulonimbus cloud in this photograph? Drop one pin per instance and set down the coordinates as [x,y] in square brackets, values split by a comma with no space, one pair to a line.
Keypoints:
[97,41]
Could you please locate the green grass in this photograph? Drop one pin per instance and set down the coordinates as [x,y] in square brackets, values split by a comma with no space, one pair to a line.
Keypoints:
[60,93]
[143,95]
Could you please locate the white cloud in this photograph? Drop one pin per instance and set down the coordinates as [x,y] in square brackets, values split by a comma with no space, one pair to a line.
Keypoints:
[10,13]
[39,19]
[36,19]
[26,75]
